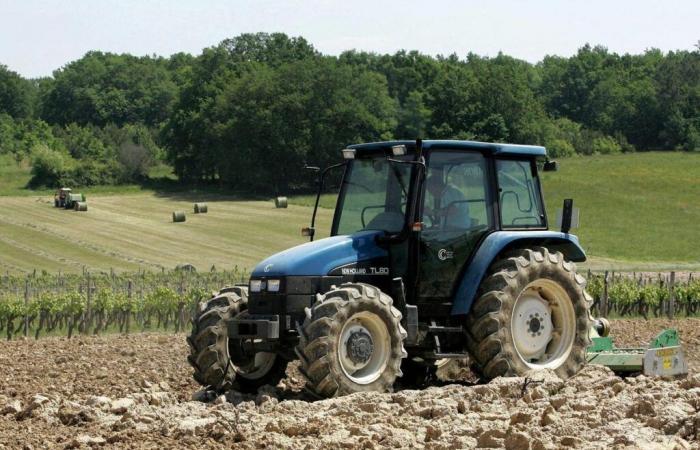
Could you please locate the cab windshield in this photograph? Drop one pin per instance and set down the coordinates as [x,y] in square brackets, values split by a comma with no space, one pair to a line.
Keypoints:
[373,196]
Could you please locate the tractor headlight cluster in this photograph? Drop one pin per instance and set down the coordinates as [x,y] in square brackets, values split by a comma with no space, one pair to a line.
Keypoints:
[256,285]
[260,285]
[273,285]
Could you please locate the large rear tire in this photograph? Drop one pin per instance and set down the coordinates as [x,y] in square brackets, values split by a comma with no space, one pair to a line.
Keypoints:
[351,341]
[533,313]
[221,363]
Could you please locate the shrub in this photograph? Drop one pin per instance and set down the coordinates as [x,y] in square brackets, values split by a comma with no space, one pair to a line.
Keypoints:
[560,148]
[605,145]
[136,159]
[49,167]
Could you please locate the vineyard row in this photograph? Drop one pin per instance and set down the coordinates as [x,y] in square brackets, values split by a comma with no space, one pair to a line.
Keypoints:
[94,303]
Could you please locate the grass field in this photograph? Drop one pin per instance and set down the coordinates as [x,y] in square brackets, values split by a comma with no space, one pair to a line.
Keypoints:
[638,212]
[640,209]
[128,232]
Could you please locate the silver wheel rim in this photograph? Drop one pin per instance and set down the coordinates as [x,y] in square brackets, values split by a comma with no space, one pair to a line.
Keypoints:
[364,327]
[543,325]
[257,367]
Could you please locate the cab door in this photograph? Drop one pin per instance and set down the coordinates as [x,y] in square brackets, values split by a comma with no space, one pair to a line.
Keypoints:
[456,213]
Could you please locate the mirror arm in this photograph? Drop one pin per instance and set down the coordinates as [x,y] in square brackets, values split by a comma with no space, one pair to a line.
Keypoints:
[318,194]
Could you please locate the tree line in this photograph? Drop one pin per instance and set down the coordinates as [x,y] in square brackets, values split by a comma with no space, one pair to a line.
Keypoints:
[249,112]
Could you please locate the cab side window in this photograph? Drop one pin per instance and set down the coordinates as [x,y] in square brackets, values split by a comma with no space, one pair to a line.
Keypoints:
[518,191]
[455,194]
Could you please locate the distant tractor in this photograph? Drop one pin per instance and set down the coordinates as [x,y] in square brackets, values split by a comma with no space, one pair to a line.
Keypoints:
[60,197]
[438,250]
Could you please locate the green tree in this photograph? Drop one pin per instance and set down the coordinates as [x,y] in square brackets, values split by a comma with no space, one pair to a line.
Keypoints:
[275,120]
[15,94]
[102,88]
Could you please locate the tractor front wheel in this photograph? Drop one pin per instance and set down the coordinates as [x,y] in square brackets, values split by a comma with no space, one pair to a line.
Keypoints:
[351,341]
[222,363]
[533,313]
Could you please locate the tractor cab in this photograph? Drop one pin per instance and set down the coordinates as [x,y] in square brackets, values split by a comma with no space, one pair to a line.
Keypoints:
[438,250]
[431,205]
[60,197]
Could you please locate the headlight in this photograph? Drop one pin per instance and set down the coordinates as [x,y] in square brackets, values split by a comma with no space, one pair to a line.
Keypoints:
[255,285]
[273,285]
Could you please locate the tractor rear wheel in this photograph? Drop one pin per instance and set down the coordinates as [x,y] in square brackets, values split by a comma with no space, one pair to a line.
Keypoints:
[533,313]
[351,341]
[222,363]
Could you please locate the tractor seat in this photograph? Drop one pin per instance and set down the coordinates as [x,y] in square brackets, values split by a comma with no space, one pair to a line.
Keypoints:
[390,221]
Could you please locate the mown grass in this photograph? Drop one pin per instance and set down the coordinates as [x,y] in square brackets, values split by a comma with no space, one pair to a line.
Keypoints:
[638,212]
[128,232]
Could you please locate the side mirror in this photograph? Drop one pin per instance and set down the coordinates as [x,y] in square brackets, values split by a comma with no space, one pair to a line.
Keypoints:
[550,166]
[568,216]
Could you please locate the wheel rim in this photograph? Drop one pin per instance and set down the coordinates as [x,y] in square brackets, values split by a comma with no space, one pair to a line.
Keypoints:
[250,366]
[543,325]
[364,347]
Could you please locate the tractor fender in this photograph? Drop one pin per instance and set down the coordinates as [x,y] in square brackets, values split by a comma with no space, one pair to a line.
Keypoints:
[500,241]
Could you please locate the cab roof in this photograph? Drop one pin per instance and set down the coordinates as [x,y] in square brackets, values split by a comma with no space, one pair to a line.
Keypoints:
[486,147]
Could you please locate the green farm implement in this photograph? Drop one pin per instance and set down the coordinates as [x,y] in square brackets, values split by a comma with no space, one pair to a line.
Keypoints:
[663,358]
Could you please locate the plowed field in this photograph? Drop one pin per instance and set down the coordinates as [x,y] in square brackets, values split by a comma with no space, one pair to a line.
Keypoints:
[136,392]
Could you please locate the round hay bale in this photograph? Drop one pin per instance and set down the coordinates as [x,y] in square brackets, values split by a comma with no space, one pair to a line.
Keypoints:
[72,198]
[178,216]
[200,208]
[281,202]
[80,206]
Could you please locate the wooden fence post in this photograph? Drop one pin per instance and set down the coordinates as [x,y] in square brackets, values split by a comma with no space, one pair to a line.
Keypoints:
[672,296]
[129,294]
[26,307]
[604,300]
[88,310]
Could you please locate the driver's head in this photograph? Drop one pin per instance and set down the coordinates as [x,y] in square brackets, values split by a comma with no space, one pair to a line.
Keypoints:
[435,185]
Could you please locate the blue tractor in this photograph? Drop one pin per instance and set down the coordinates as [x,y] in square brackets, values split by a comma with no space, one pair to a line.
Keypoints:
[439,250]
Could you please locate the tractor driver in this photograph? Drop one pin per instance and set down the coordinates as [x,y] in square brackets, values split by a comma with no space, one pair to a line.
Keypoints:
[447,208]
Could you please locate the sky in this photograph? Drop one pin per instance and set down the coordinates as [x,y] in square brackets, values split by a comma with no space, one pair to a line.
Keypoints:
[40,36]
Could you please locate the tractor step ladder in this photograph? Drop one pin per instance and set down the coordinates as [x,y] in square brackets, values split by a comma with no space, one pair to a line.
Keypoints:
[435,330]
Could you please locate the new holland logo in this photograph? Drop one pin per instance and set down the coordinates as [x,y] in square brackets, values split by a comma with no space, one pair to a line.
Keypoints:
[365,270]
[445,254]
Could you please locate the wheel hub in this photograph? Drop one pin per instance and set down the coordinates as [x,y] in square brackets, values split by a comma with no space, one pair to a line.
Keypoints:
[364,347]
[532,325]
[360,346]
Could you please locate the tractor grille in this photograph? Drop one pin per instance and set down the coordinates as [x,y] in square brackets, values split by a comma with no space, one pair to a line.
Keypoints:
[296,293]
[264,303]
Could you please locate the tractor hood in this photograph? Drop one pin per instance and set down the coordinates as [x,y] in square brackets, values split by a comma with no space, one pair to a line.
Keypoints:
[318,258]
